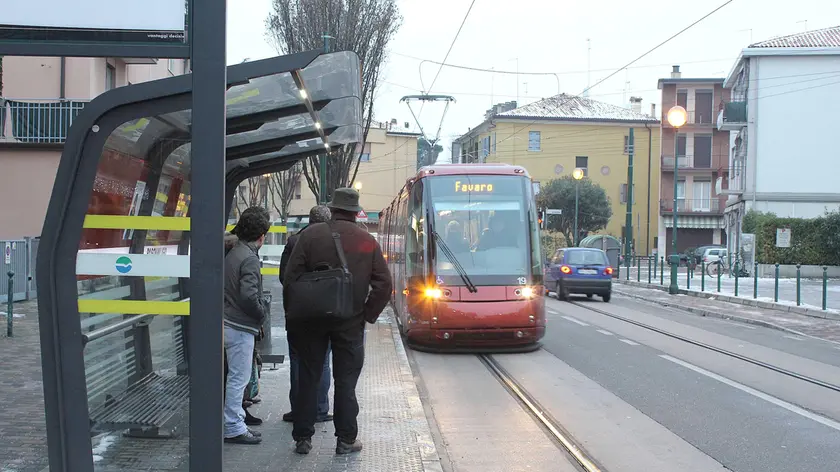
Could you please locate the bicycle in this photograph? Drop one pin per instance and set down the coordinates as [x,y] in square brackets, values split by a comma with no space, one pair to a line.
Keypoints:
[718,266]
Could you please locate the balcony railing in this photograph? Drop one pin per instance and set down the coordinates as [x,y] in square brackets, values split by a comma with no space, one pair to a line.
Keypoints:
[733,116]
[693,118]
[687,162]
[37,121]
[704,205]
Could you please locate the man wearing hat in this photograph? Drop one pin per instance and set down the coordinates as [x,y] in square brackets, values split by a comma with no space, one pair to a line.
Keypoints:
[310,337]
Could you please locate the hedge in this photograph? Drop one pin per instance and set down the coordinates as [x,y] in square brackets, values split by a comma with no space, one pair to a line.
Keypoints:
[814,241]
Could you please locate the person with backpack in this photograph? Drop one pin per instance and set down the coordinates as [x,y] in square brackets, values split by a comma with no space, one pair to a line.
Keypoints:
[245,311]
[336,280]
[317,214]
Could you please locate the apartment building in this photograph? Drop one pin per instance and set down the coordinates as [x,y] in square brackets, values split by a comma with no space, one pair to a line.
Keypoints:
[783,135]
[553,136]
[39,99]
[698,155]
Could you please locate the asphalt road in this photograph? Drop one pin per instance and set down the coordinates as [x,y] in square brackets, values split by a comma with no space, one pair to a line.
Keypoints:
[745,417]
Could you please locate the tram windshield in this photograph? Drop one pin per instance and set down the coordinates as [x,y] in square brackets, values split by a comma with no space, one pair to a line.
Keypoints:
[488,222]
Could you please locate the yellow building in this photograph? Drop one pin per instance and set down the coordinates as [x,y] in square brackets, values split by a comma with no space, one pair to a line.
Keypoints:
[553,136]
[387,161]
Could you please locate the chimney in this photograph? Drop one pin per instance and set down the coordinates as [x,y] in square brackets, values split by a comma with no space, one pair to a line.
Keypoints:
[675,72]
[636,104]
[653,110]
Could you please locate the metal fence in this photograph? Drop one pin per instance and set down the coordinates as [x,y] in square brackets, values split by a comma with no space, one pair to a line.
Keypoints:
[38,121]
[22,263]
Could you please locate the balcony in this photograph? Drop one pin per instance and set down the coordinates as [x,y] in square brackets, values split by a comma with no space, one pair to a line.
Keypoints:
[733,116]
[687,163]
[694,118]
[709,206]
[37,121]
[737,179]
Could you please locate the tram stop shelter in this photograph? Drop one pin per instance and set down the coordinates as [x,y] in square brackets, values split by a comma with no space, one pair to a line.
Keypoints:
[114,260]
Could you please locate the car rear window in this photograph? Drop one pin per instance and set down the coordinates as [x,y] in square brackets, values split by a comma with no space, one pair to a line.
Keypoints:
[586,257]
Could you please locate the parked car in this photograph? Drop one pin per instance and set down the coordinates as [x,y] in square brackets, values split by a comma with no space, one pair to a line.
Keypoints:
[713,254]
[701,251]
[579,270]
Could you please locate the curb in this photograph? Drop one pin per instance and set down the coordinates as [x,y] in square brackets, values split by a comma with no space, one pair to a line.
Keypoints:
[715,314]
[824,315]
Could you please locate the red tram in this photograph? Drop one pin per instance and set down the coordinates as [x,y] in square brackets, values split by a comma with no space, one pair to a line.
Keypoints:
[462,243]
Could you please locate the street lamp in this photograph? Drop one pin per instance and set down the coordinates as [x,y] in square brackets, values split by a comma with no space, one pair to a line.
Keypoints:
[357,186]
[577,174]
[677,117]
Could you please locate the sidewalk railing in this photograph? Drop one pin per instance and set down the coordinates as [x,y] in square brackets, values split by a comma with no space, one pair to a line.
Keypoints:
[709,276]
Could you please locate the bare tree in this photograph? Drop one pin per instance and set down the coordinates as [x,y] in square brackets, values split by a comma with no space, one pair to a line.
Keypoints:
[362,26]
[253,193]
[283,186]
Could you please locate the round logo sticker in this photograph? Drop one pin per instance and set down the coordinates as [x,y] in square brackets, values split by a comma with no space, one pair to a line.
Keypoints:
[123,265]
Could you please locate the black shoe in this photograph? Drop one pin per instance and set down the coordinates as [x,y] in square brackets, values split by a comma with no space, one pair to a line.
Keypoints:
[303,446]
[255,433]
[244,438]
[342,447]
[324,419]
[255,400]
[252,420]
[288,418]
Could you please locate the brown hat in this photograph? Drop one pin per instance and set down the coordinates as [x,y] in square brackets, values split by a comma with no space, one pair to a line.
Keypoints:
[345,199]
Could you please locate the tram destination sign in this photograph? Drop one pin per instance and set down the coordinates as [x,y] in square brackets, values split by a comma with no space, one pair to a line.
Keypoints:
[110,28]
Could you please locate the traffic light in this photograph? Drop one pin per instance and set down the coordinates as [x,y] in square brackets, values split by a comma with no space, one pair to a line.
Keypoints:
[541,218]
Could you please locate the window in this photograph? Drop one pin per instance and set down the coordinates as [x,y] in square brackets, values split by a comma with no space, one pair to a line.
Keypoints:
[533,141]
[703,106]
[485,146]
[627,145]
[415,238]
[702,151]
[298,187]
[682,98]
[702,196]
[365,155]
[110,77]
[582,162]
[623,192]
[681,143]
[681,195]
[494,143]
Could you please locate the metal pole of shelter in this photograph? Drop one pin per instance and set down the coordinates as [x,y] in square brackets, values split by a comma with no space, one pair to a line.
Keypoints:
[322,164]
[628,224]
[209,38]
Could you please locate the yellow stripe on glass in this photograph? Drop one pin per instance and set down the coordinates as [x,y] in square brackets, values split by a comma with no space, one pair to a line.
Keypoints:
[153,223]
[270,271]
[134,307]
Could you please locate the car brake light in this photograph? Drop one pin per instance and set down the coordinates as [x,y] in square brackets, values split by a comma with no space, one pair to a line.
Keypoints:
[566,269]
[608,271]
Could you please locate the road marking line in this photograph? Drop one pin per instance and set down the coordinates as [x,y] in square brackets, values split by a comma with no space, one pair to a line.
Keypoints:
[627,341]
[605,332]
[792,337]
[575,321]
[768,398]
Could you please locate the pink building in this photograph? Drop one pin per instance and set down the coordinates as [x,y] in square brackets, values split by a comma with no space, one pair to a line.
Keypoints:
[39,98]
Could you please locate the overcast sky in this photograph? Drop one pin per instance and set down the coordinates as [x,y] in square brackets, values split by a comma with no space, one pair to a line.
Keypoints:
[550,36]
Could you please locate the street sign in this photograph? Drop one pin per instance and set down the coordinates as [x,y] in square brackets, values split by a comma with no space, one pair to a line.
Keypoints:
[553,212]
[151,28]
[361,216]
[783,237]
[8,253]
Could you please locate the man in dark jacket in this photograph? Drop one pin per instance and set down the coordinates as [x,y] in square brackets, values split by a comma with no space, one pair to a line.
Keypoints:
[244,314]
[310,337]
[318,214]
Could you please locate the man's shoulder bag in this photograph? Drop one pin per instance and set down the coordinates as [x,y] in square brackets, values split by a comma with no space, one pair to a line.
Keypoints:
[323,293]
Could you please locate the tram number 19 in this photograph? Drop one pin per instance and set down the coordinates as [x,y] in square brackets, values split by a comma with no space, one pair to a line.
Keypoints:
[521,280]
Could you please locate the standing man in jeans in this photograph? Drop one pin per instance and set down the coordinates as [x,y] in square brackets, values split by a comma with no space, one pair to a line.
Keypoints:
[318,214]
[310,337]
[244,313]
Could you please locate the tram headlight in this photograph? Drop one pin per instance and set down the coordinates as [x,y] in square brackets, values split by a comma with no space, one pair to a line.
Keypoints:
[434,293]
[527,292]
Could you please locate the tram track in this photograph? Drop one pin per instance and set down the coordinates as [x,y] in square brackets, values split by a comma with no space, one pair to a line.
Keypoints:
[562,438]
[735,355]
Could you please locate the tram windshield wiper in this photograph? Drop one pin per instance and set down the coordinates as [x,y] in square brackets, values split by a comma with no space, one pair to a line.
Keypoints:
[454,260]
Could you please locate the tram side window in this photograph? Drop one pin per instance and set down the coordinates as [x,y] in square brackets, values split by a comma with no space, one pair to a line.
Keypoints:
[415,235]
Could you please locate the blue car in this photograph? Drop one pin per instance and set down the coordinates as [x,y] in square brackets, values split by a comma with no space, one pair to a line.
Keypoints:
[579,270]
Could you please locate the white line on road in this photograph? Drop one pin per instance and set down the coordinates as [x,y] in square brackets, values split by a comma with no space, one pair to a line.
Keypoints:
[627,341]
[576,321]
[792,337]
[768,398]
[605,332]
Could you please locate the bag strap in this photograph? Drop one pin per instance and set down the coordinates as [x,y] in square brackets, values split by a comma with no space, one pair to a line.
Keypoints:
[339,249]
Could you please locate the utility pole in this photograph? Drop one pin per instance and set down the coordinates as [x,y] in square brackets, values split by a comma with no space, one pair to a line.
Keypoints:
[323,162]
[628,222]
